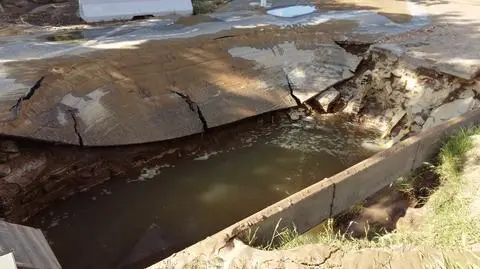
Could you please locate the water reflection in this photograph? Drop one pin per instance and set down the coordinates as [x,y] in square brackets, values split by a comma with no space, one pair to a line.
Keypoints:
[120,224]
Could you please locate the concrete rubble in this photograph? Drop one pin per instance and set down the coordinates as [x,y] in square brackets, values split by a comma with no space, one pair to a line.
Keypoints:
[396,97]
[327,98]
[450,110]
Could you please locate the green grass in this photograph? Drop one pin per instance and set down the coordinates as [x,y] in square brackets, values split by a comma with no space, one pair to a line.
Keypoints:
[447,224]
[206,6]
[452,154]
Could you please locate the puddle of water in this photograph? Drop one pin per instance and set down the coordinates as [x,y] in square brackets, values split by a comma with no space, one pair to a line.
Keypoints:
[163,208]
[274,56]
[292,11]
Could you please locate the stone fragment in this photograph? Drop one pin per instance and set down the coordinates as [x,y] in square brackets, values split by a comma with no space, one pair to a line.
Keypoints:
[26,169]
[326,98]
[419,120]
[3,157]
[415,128]
[363,82]
[448,111]
[5,170]
[397,117]
[8,146]
[294,115]
[467,94]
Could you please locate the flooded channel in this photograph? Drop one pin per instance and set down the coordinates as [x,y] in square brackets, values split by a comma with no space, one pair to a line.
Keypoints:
[141,218]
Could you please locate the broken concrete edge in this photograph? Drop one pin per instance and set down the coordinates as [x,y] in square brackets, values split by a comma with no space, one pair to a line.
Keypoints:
[309,207]
[7,261]
[422,63]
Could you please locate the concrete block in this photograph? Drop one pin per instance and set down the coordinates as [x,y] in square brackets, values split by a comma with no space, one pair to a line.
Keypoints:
[302,211]
[108,10]
[370,176]
[28,245]
[433,138]
[7,261]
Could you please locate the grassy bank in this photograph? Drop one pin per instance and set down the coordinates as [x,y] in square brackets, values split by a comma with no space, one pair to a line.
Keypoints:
[448,222]
[206,6]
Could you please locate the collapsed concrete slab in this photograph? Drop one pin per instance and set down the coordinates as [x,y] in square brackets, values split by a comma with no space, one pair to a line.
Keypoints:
[330,65]
[161,90]
[108,10]
[432,49]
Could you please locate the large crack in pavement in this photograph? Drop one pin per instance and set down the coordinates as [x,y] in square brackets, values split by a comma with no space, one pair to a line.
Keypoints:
[29,94]
[193,107]
[75,127]
[290,87]
[317,265]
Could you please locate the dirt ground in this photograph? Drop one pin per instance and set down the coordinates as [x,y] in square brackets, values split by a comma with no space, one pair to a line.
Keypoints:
[39,12]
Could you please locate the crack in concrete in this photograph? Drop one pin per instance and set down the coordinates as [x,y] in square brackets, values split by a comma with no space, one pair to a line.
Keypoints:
[355,48]
[334,186]
[193,107]
[415,157]
[290,87]
[225,36]
[324,260]
[16,108]
[75,127]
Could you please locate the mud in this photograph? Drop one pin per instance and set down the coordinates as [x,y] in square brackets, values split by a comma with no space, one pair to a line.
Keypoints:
[40,13]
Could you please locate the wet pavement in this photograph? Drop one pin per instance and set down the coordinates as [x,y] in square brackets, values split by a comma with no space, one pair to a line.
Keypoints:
[155,80]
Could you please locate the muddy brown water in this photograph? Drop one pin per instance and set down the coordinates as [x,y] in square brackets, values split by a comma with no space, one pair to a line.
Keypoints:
[140,218]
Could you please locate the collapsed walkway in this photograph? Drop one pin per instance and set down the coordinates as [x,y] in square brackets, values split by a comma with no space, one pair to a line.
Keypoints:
[153,80]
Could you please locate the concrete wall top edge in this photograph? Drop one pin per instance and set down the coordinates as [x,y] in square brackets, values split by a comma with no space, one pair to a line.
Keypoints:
[417,149]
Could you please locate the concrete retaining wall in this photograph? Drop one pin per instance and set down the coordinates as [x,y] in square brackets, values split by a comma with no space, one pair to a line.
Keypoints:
[333,195]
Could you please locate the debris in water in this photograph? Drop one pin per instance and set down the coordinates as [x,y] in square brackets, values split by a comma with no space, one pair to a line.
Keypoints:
[293,11]
[149,173]
[376,146]
[206,156]
[294,115]
[105,192]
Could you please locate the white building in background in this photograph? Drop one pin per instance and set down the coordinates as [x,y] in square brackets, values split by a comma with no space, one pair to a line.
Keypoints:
[108,10]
